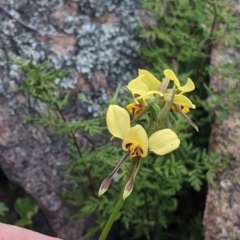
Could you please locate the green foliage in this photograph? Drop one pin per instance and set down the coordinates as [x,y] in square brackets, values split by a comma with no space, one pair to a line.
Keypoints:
[39,82]
[25,208]
[3,209]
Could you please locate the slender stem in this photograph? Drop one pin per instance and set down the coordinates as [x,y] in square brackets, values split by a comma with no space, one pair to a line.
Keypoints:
[112,218]
[71,135]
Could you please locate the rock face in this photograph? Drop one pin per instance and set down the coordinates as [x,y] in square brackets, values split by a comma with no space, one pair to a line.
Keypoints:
[95,41]
[222,213]
[36,163]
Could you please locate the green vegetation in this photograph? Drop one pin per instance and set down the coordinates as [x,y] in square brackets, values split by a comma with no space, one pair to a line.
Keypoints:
[3,209]
[25,208]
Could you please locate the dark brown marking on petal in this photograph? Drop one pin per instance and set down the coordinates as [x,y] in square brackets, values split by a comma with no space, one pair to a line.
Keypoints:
[135,152]
[134,110]
[128,145]
[136,95]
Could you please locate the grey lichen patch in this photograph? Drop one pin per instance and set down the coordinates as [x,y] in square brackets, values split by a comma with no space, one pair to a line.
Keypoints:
[87,36]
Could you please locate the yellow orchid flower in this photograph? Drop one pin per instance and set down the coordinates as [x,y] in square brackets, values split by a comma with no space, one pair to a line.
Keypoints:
[135,139]
[136,143]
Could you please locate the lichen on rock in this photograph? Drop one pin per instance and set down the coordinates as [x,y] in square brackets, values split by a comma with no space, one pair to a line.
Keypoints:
[95,41]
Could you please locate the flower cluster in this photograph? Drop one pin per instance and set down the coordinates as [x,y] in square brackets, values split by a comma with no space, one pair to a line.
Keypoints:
[146,89]
[145,86]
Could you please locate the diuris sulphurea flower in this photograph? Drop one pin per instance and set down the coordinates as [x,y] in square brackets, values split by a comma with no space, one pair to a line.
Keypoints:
[136,143]
[146,86]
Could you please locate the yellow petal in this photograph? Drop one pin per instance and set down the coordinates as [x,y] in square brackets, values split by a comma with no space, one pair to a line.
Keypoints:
[188,87]
[136,140]
[118,121]
[181,100]
[163,142]
[171,75]
[149,80]
[137,87]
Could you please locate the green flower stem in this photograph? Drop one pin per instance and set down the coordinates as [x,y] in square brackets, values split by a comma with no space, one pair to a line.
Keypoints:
[118,205]
[112,218]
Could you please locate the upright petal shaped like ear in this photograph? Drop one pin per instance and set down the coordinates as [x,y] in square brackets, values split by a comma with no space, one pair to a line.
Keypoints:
[136,137]
[149,80]
[163,142]
[118,121]
[137,87]
[171,75]
[188,87]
